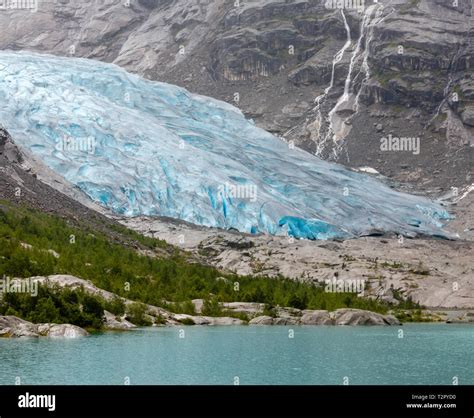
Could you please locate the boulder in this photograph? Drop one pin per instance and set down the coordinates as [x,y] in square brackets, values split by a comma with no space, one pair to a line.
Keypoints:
[361,317]
[61,331]
[316,318]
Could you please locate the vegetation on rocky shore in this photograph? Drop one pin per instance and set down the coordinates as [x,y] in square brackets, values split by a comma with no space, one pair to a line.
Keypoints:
[33,244]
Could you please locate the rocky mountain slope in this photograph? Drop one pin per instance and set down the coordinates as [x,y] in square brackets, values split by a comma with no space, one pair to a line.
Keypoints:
[336,82]
[274,59]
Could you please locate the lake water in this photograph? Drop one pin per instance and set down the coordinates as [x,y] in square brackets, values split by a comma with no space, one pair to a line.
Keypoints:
[429,354]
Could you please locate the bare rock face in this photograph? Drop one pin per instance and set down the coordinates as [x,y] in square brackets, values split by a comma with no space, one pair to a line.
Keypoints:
[11,326]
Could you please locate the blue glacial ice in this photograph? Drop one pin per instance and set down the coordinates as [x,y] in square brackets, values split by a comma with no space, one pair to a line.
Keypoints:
[156,149]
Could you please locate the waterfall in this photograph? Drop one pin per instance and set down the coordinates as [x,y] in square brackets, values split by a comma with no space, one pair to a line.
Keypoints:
[447,88]
[378,19]
[337,128]
[356,55]
[320,99]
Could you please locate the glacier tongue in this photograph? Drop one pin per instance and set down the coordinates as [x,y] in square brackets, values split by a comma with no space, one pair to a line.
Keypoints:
[146,148]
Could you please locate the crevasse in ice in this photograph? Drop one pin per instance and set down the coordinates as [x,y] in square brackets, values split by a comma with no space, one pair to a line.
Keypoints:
[147,148]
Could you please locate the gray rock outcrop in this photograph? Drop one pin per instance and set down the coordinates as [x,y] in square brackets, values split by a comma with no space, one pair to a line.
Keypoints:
[361,317]
[13,327]
[61,331]
[321,317]
[114,323]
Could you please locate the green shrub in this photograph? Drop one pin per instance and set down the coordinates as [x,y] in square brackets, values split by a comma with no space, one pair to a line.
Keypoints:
[136,314]
[159,320]
[54,305]
[115,306]
[211,307]
[269,310]
[187,307]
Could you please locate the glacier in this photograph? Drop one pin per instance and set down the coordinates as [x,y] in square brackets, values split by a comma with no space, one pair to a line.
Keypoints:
[143,148]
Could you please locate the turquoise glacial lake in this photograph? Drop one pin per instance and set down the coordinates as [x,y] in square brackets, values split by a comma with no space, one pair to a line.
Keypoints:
[428,354]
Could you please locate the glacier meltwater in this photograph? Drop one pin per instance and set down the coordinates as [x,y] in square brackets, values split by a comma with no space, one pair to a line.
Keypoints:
[140,147]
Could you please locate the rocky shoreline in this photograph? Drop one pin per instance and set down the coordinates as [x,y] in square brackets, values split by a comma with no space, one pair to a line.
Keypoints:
[11,326]
[339,317]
